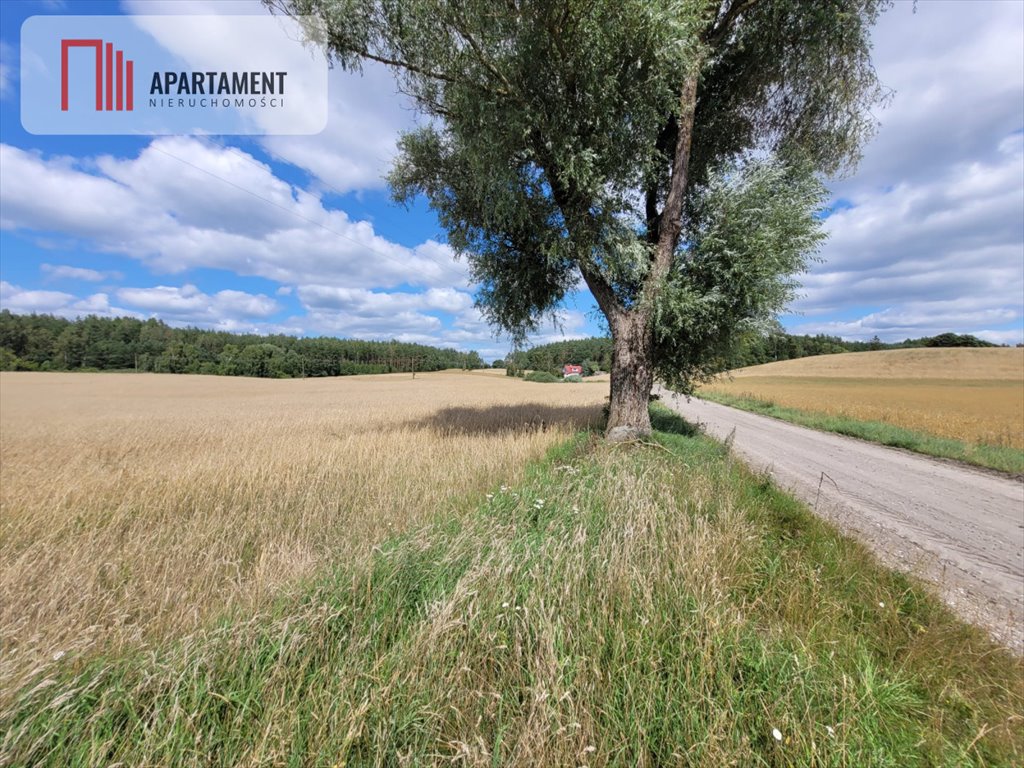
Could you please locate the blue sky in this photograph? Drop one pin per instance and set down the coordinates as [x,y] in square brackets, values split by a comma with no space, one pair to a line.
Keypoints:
[298,235]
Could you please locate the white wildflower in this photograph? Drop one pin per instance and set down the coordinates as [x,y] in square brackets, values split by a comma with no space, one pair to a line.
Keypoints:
[831,730]
[58,655]
[881,604]
[776,734]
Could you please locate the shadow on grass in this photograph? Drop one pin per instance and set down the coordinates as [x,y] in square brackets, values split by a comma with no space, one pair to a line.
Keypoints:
[500,419]
[665,420]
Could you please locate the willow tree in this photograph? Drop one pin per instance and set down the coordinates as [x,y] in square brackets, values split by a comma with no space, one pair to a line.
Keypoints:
[665,153]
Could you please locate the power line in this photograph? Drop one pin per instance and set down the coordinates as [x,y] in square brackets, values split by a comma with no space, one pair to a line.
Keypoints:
[249,159]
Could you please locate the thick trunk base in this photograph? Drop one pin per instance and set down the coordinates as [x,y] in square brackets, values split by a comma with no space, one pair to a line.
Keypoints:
[632,378]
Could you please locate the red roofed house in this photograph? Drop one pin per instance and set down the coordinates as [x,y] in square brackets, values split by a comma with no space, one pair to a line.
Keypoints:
[572,370]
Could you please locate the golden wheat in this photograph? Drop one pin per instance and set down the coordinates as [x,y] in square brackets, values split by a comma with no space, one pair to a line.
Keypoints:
[984,364]
[133,506]
[973,395]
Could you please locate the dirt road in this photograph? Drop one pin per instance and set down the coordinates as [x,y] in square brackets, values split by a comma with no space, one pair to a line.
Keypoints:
[959,528]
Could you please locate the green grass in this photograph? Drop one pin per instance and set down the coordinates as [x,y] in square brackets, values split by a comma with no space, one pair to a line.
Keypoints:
[543,377]
[1001,458]
[624,605]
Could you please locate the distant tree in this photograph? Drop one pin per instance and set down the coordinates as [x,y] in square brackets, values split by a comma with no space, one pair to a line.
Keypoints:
[955,340]
[51,343]
[665,152]
[8,360]
[498,363]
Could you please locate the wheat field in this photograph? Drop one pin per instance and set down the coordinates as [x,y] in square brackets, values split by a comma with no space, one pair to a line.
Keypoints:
[362,572]
[972,395]
[136,507]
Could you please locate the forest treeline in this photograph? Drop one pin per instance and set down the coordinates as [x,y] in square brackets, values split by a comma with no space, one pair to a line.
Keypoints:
[48,343]
[755,349]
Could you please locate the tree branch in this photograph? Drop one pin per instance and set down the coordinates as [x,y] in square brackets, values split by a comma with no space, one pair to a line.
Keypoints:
[282,7]
[651,212]
[487,63]
[602,290]
[405,65]
[671,221]
[564,198]
[721,28]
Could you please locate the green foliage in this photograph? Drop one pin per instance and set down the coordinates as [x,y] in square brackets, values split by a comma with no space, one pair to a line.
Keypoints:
[516,363]
[573,351]
[542,377]
[33,342]
[576,138]
[954,340]
[750,228]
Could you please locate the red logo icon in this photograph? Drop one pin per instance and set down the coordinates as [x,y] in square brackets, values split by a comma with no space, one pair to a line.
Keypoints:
[117,81]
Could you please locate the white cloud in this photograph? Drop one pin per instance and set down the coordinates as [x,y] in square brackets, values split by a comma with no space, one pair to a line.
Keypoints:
[1013,337]
[187,302]
[404,326]
[22,301]
[356,149]
[366,113]
[185,305]
[362,301]
[16,299]
[184,204]
[915,319]
[65,272]
[934,238]
[7,70]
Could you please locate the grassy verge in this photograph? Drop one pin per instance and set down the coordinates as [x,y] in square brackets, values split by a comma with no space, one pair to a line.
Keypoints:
[631,605]
[1001,458]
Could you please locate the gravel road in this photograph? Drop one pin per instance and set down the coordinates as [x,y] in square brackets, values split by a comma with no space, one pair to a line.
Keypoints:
[959,528]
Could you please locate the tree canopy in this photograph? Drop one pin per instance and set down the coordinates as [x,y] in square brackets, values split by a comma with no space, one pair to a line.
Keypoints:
[668,154]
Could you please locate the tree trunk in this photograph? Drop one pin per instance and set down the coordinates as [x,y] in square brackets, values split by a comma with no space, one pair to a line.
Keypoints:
[632,330]
[632,375]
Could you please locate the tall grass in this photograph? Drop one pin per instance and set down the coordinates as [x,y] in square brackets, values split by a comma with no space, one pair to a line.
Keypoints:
[135,508]
[634,605]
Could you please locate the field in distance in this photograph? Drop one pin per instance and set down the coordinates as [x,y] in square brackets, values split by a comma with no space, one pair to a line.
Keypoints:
[975,396]
[135,507]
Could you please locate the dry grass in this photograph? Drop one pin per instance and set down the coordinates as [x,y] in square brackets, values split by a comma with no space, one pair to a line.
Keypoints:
[972,395]
[136,507]
[646,605]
